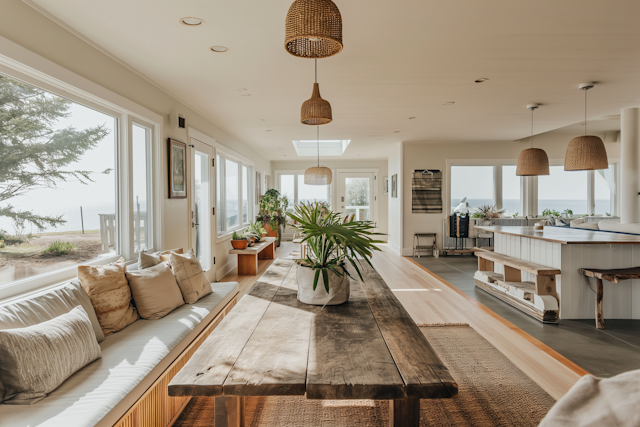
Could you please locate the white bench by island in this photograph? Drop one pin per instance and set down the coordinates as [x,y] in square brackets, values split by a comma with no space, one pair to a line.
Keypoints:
[568,250]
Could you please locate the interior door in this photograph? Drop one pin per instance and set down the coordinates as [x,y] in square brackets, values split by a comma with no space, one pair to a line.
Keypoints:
[356,195]
[202,203]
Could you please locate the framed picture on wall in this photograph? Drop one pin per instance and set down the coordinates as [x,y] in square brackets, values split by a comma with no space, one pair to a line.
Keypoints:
[394,185]
[258,187]
[385,184]
[177,169]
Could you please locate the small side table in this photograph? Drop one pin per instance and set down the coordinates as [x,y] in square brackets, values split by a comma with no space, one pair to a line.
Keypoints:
[613,276]
[417,247]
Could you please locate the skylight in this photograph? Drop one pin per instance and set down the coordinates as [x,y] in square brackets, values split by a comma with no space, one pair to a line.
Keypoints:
[328,148]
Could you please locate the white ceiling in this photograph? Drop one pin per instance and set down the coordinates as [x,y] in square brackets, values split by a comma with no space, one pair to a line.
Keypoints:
[401,59]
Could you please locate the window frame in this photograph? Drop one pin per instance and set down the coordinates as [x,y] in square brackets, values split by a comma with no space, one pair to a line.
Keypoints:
[21,64]
[529,185]
[221,157]
[296,173]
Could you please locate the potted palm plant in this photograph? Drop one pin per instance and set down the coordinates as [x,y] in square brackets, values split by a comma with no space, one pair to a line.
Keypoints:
[333,246]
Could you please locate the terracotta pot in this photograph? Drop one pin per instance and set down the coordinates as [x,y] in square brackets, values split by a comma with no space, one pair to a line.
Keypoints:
[339,288]
[239,244]
[269,230]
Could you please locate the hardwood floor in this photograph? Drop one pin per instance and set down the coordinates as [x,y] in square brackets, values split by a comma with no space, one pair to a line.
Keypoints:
[429,300]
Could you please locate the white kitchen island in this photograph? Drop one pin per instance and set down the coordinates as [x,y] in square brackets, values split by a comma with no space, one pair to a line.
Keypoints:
[568,250]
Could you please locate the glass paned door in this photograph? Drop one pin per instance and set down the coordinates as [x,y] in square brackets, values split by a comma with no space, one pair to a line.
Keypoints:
[356,195]
[202,219]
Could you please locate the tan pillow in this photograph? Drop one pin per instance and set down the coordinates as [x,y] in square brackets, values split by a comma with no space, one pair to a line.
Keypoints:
[155,291]
[191,279]
[110,295]
[148,260]
[35,360]
[164,255]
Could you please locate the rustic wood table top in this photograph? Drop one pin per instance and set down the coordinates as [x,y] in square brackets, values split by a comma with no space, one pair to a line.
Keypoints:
[272,344]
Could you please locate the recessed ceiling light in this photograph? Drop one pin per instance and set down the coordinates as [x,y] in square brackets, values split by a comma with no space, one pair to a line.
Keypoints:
[219,49]
[482,80]
[191,21]
[396,131]
[449,103]
[411,118]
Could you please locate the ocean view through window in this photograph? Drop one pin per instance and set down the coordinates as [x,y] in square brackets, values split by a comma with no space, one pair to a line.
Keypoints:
[58,191]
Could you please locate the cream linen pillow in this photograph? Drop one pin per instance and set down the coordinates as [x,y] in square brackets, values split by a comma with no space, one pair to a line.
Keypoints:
[110,295]
[164,255]
[155,291]
[191,279]
[148,260]
[35,360]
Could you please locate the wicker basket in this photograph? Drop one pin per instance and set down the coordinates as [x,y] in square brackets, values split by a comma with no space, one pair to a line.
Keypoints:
[313,29]
[532,162]
[316,111]
[586,153]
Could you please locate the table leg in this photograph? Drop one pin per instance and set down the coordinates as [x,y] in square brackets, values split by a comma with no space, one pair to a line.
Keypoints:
[404,412]
[599,314]
[247,264]
[229,411]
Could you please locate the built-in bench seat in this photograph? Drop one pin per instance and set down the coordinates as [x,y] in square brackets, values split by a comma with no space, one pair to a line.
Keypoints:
[108,391]
[538,299]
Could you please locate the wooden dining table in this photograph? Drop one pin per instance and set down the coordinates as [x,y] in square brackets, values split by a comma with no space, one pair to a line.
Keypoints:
[271,344]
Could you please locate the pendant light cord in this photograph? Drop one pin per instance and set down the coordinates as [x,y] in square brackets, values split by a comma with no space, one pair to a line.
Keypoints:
[318,137]
[316,60]
[532,110]
[585,111]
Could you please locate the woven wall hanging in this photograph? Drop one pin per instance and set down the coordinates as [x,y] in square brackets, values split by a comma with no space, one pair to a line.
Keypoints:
[426,191]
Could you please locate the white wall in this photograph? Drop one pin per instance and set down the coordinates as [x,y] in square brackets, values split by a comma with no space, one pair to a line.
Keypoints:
[395,161]
[28,28]
[381,165]
[422,155]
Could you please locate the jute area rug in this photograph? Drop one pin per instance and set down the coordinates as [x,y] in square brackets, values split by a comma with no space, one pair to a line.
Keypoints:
[492,392]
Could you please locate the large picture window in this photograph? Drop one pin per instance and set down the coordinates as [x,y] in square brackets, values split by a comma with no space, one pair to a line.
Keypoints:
[292,186]
[233,189]
[58,191]
[473,182]
[563,190]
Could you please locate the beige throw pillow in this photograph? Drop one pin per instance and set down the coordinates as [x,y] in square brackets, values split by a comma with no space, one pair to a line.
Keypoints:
[164,255]
[35,360]
[110,295]
[191,279]
[155,291]
[148,260]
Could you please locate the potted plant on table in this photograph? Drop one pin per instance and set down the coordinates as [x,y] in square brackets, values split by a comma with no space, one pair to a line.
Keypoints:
[272,213]
[333,246]
[255,231]
[239,241]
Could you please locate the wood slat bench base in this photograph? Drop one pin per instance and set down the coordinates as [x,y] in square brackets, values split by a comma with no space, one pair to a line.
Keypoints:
[518,264]
[545,316]
[156,408]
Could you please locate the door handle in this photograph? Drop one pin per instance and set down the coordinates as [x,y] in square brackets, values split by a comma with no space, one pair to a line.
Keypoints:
[193,225]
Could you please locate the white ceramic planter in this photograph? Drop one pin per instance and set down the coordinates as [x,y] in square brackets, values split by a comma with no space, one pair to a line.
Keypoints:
[339,288]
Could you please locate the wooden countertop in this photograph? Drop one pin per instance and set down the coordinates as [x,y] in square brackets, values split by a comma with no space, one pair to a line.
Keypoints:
[566,235]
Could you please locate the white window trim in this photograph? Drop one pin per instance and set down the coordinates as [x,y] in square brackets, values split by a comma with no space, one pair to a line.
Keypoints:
[22,64]
[529,185]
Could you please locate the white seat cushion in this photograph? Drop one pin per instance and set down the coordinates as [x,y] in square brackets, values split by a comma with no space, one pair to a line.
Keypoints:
[132,359]
[608,225]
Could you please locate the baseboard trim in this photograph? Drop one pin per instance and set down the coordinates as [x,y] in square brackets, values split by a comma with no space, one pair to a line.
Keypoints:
[225,269]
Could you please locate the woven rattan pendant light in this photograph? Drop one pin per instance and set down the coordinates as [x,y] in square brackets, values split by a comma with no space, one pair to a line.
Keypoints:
[532,161]
[586,153]
[313,29]
[316,111]
[318,175]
